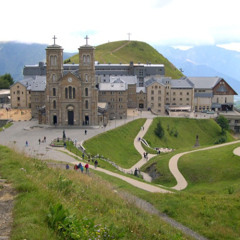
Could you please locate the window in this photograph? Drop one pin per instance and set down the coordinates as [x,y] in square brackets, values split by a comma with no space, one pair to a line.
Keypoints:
[159,98]
[180,93]
[86,92]
[66,92]
[159,104]
[70,92]
[120,99]
[54,91]
[187,99]
[174,93]
[53,60]
[174,99]
[54,104]
[152,92]
[86,104]
[152,98]
[86,77]
[18,98]
[88,59]
[54,77]
[159,91]
[74,93]
[180,99]
[187,93]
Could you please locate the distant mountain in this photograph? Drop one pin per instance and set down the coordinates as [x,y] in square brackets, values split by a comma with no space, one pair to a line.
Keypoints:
[135,51]
[206,61]
[14,55]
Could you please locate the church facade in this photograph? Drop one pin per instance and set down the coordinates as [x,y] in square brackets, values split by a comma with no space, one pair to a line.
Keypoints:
[71,97]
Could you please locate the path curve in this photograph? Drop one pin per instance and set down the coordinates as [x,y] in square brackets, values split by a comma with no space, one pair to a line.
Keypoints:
[173,164]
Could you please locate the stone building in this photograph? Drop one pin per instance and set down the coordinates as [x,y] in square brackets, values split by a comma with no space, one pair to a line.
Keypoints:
[212,93]
[71,96]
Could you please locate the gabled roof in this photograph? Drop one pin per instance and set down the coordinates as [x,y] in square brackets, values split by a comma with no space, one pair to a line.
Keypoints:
[204,82]
[181,83]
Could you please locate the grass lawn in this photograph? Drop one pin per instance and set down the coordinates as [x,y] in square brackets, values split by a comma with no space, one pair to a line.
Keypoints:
[208,132]
[88,204]
[117,145]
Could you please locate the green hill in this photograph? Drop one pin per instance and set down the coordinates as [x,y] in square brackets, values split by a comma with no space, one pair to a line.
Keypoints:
[126,51]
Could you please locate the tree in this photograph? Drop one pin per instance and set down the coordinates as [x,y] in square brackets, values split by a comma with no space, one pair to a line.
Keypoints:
[159,131]
[6,81]
[223,123]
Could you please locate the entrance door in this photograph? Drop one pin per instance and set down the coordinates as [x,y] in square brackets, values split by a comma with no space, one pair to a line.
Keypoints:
[54,120]
[86,120]
[70,117]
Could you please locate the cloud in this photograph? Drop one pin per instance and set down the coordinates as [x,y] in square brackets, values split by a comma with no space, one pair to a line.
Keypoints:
[170,22]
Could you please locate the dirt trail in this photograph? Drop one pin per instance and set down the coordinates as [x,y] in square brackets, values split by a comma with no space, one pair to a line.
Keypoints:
[7,194]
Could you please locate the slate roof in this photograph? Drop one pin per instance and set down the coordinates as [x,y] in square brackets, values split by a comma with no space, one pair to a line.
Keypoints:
[37,83]
[112,86]
[181,83]
[204,82]
[126,79]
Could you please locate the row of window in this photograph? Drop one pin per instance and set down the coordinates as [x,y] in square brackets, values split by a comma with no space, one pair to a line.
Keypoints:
[70,92]
[54,104]
[174,99]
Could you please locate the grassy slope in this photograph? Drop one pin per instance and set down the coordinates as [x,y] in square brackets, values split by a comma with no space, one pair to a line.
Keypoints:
[117,144]
[84,196]
[208,132]
[134,51]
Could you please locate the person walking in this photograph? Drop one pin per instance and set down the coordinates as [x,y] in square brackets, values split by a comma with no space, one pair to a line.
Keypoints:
[96,163]
[85,132]
[87,168]
[26,143]
[39,141]
[81,168]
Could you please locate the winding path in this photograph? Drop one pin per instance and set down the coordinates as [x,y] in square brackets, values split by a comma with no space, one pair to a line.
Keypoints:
[173,164]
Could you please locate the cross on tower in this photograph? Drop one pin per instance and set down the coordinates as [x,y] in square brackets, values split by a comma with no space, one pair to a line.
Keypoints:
[86,39]
[54,39]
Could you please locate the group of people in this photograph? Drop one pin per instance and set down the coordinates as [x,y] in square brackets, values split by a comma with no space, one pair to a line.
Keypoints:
[43,141]
[80,166]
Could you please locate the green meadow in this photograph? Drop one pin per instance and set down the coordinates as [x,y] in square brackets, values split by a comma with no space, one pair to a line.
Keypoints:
[65,204]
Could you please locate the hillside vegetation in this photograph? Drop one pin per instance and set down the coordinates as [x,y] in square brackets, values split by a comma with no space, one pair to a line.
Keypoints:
[181,133]
[59,204]
[127,51]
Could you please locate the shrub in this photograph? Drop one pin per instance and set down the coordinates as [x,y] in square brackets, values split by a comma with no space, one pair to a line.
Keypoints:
[159,131]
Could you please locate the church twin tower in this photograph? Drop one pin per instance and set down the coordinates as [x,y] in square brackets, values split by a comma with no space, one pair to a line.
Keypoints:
[71,96]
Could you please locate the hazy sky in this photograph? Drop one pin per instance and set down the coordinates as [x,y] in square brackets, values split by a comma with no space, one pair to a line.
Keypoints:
[157,22]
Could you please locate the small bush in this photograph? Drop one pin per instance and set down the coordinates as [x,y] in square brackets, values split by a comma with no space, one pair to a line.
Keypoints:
[70,227]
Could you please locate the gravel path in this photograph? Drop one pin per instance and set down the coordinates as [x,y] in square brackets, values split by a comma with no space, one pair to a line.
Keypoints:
[173,164]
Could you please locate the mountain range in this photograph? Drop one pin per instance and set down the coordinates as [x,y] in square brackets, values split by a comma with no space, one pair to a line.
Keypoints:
[196,61]
[206,61]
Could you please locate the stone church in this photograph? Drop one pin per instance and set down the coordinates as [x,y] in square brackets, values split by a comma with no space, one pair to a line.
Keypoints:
[71,97]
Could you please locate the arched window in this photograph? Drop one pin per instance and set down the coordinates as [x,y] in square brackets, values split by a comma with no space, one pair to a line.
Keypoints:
[53,60]
[86,104]
[54,77]
[86,92]
[54,104]
[88,59]
[66,93]
[86,77]
[54,91]
[84,58]
[74,93]
[70,92]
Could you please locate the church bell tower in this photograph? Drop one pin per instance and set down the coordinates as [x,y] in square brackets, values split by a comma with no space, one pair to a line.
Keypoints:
[54,59]
[88,82]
